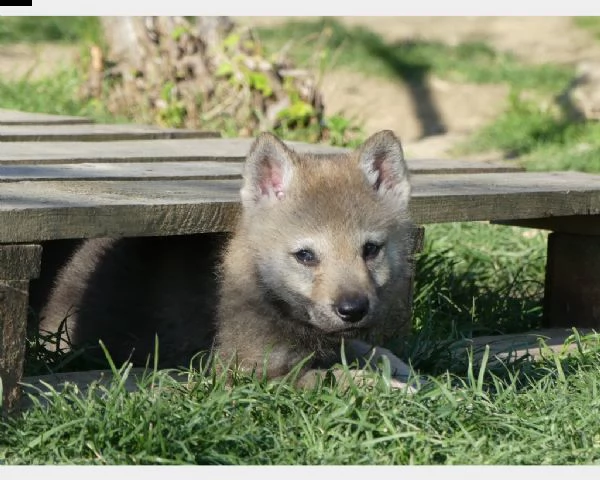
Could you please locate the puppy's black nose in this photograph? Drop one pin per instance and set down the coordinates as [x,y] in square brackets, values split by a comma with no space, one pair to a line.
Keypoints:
[352,308]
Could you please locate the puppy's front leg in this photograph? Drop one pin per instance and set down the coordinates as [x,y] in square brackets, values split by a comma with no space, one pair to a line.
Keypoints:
[370,355]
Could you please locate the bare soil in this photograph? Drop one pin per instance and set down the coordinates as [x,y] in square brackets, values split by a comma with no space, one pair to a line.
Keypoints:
[416,115]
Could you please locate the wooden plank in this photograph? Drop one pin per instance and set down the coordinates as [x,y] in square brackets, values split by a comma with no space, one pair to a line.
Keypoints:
[448,166]
[15,117]
[194,150]
[35,211]
[123,171]
[510,347]
[174,170]
[94,132]
[19,264]
[572,291]
[576,224]
[495,196]
[181,150]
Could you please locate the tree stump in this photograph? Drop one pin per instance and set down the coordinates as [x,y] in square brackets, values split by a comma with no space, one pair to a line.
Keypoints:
[200,73]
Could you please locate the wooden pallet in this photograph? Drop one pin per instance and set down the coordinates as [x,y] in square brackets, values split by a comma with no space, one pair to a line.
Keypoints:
[86,180]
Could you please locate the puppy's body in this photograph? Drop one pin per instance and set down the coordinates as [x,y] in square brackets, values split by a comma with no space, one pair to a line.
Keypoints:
[320,254]
[126,291]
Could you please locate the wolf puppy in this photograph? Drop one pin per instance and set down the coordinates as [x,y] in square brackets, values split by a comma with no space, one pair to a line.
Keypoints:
[320,256]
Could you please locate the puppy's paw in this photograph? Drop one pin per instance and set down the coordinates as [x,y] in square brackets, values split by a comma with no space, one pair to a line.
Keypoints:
[400,385]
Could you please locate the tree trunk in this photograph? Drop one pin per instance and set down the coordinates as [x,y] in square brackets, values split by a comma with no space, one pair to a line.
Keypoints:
[204,73]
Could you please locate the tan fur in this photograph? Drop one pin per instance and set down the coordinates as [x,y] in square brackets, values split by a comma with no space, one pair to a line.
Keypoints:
[269,304]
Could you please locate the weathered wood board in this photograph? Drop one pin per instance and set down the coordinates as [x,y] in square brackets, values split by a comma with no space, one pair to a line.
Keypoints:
[16,117]
[575,224]
[123,171]
[572,290]
[193,150]
[35,211]
[216,149]
[18,264]
[186,170]
[94,132]
[516,345]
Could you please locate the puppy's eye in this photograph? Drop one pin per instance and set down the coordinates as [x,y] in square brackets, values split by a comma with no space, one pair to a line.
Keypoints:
[306,257]
[371,250]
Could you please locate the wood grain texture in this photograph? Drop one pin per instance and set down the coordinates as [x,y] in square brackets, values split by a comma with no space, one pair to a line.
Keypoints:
[18,263]
[186,170]
[123,171]
[572,291]
[216,149]
[94,132]
[196,150]
[494,196]
[512,346]
[576,224]
[15,117]
[34,211]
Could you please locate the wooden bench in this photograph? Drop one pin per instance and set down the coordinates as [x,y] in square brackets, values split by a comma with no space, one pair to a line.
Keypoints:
[86,180]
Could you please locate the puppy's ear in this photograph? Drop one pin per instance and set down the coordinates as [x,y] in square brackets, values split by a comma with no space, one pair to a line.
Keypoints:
[268,171]
[382,160]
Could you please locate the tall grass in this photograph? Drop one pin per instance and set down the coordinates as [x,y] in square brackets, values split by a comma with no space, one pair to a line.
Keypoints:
[544,413]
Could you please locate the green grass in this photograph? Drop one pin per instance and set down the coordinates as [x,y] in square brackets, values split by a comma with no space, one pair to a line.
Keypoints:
[477,257]
[542,139]
[471,278]
[49,29]
[580,152]
[589,23]
[57,95]
[363,50]
[542,413]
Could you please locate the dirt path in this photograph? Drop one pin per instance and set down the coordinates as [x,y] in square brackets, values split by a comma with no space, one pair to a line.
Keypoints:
[534,39]
[22,60]
[429,129]
[460,108]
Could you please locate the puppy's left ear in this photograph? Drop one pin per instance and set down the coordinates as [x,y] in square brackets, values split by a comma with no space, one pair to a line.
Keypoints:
[382,160]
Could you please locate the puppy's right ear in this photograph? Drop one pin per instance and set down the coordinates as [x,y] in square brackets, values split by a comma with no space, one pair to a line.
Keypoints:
[268,171]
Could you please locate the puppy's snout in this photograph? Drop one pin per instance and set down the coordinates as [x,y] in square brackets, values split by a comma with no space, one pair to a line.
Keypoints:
[352,308]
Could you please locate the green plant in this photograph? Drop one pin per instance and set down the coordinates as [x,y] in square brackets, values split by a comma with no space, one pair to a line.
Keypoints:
[173,110]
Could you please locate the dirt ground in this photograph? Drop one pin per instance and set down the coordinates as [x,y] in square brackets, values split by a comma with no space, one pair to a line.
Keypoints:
[428,129]
[458,109]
